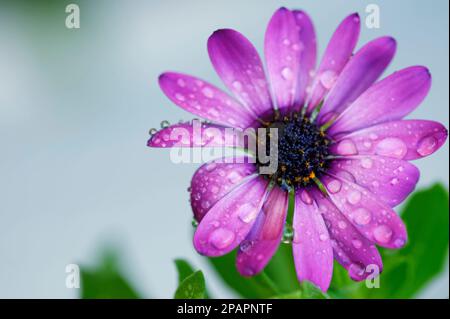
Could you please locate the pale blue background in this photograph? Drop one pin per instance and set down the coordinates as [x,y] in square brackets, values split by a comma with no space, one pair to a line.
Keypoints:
[76,106]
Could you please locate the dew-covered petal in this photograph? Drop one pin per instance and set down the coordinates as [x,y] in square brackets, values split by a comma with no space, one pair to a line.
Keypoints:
[337,54]
[390,179]
[407,139]
[239,66]
[354,252]
[358,75]
[313,253]
[308,57]
[205,100]
[228,222]
[196,134]
[213,180]
[389,99]
[282,49]
[374,219]
[264,238]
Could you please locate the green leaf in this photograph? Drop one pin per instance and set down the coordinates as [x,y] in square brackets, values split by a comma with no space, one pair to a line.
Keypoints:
[105,281]
[246,287]
[409,270]
[192,287]
[307,291]
[184,269]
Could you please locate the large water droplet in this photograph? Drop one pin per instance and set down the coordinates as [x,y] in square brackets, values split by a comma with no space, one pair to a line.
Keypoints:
[165,124]
[328,79]
[334,186]
[391,147]
[247,212]
[354,197]
[221,238]
[347,147]
[367,162]
[362,216]
[427,145]
[287,73]
[356,271]
[288,234]
[382,234]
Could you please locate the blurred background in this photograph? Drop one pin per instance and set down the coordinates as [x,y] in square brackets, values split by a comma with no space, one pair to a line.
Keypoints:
[76,106]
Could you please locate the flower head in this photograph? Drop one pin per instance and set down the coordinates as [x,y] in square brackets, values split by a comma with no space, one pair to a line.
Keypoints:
[343,147]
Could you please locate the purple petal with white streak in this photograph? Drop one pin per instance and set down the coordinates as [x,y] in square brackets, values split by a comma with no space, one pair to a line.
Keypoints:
[263,240]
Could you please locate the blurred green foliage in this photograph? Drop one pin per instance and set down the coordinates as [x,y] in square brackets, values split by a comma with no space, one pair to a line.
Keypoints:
[105,281]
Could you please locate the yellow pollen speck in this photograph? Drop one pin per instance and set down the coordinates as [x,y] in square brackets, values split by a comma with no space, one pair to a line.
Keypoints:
[312,175]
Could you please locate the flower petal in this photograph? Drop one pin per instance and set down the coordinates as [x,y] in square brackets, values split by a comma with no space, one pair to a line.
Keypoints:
[374,220]
[213,180]
[337,54]
[357,76]
[196,134]
[390,99]
[407,139]
[313,254]
[229,221]
[308,58]
[390,179]
[204,99]
[354,252]
[282,49]
[239,66]
[264,238]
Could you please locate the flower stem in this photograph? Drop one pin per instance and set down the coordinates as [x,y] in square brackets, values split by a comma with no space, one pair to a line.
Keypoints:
[269,283]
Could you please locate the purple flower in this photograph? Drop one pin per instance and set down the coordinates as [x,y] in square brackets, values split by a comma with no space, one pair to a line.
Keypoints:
[343,147]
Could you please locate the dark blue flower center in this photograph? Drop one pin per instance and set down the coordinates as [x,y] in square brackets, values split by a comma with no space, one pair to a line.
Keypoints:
[303,150]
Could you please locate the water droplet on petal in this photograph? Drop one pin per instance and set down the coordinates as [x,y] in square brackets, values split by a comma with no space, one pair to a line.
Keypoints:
[357,243]
[354,197]
[394,181]
[328,79]
[165,124]
[342,224]
[382,234]
[288,234]
[362,216]
[287,73]
[356,271]
[247,212]
[391,147]
[347,147]
[427,145]
[208,92]
[323,237]
[366,163]
[221,238]
[334,186]
[399,242]
[246,245]
[237,85]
